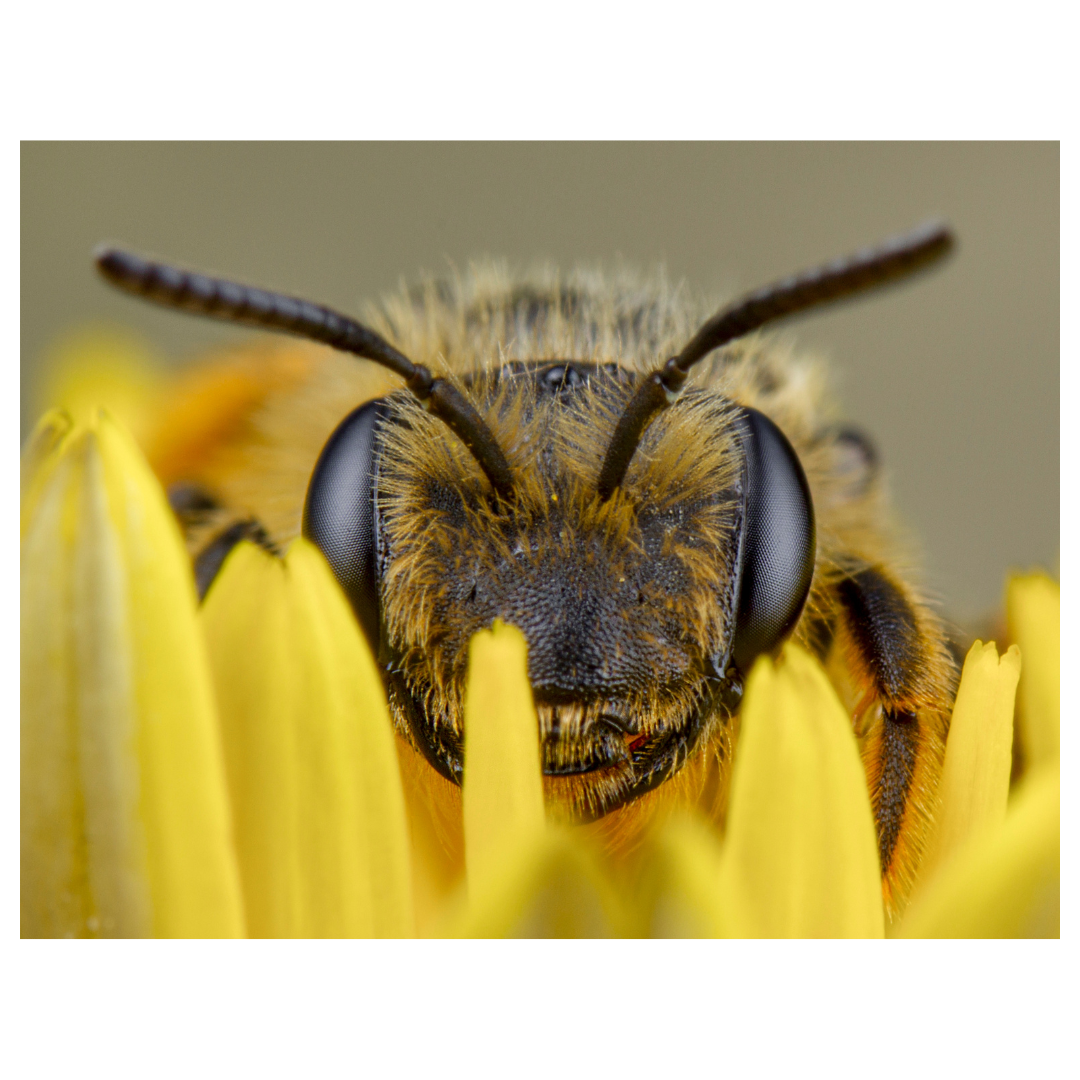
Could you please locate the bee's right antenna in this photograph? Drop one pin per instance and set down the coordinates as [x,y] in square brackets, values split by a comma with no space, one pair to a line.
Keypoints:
[236,303]
[866,269]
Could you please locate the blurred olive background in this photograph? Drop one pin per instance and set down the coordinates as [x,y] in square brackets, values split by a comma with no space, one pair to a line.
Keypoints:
[955,375]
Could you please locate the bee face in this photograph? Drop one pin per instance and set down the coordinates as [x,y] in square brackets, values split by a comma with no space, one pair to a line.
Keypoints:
[640,611]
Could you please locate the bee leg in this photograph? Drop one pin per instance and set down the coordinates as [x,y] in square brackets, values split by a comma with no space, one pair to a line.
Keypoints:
[211,558]
[211,531]
[897,652]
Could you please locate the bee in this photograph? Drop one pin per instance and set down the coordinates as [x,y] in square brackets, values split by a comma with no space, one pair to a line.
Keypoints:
[655,499]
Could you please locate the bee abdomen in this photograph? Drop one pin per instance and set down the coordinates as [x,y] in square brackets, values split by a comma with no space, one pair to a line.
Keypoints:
[885,628]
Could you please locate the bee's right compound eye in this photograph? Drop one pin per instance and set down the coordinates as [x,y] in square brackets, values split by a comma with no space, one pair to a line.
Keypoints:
[340,514]
[779,541]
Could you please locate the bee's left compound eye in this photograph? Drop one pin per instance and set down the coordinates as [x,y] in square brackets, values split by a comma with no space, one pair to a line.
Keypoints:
[779,541]
[340,513]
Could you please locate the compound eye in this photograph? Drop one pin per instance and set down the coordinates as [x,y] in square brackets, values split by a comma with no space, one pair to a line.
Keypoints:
[778,541]
[340,515]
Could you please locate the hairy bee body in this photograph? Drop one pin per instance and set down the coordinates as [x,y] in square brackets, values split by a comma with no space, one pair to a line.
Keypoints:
[628,604]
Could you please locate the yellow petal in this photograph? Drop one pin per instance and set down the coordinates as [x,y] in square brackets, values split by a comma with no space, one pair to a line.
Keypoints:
[125,824]
[974,785]
[800,854]
[309,749]
[1033,608]
[549,886]
[1006,883]
[678,895]
[40,455]
[100,367]
[502,792]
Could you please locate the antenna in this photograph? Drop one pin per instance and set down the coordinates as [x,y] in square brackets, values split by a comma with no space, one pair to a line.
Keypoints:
[232,302]
[895,259]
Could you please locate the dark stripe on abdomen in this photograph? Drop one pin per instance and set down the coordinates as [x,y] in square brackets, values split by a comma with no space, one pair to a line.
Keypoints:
[883,625]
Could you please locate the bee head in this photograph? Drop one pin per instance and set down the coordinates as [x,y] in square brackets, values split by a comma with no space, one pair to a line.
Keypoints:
[642,611]
[649,542]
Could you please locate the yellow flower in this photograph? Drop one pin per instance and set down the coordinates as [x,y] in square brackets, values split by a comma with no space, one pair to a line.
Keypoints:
[800,855]
[994,866]
[522,880]
[1033,607]
[319,815]
[233,769]
[125,821]
[102,367]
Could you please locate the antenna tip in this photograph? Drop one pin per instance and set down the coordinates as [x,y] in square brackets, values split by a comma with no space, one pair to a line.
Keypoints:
[118,266]
[103,254]
[107,259]
[936,235]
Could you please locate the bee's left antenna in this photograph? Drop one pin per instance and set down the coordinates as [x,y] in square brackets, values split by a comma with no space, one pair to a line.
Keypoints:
[866,269]
[232,302]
